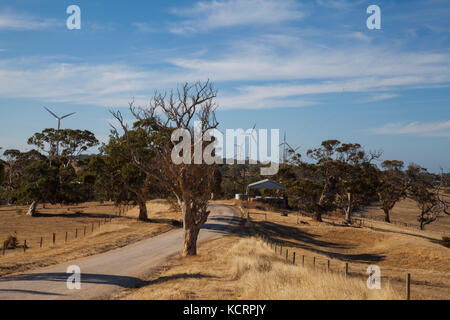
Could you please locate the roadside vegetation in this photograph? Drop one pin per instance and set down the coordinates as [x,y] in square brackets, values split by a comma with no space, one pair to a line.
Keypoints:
[246,268]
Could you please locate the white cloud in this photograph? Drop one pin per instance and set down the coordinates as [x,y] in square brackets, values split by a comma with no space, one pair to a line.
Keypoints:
[13,21]
[277,71]
[230,13]
[143,27]
[380,97]
[338,4]
[105,85]
[358,36]
[430,129]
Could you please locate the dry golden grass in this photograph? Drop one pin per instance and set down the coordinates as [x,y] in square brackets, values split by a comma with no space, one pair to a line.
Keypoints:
[395,249]
[245,268]
[119,232]
[406,211]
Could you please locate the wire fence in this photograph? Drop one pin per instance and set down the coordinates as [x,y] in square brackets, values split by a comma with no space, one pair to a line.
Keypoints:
[56,238]
[297,256]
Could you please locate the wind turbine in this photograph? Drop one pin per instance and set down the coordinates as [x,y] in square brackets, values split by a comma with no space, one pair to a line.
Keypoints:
[242,151]
[59,118]
[285,151]
[59,124]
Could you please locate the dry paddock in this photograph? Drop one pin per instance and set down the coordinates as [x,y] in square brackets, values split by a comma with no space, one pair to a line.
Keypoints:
[105,230]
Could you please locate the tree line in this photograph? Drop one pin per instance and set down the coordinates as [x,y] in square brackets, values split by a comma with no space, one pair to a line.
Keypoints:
[135,165]
[345,177]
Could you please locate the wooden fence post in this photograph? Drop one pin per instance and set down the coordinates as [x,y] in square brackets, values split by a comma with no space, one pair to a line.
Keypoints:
[76,233]
[408,286]
[65,240]
[287,255]
[328,266]
[24,245]
[293,258]
[54,238]
[303,260]
[314,263]
[40,243]
[84,230]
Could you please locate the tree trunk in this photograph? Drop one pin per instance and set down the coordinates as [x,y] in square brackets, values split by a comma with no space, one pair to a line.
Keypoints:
[32,209]
[317,216]
[387,217]
[348,211]
[190,240]
[329,191]
[422,224]
[142,210]
[192,222]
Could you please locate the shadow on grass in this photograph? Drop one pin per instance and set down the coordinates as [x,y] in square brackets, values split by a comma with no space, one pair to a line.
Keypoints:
[308,241]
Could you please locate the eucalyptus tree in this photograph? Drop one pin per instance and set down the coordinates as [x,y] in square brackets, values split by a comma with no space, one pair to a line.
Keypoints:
[392,186]
[190,183]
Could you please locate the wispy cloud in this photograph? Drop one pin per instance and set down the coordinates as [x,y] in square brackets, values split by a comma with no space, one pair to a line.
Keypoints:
[144,27]
[380,97]
[272,78]
[430,129]
[230,13]
[338,4]
[15,21]
[358,36]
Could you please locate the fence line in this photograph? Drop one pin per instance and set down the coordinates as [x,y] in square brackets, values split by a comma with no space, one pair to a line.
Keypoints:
[53,238]
[273,244]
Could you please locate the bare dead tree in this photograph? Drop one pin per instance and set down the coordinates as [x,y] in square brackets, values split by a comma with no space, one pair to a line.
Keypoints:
[191,184]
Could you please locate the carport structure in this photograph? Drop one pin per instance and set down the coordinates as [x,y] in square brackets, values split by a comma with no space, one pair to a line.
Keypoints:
[269,185]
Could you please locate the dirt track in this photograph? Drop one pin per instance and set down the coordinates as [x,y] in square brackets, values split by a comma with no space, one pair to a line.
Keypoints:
[105,274]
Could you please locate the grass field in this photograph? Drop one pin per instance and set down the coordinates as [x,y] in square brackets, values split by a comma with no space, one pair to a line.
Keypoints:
[122,230]
[241,267]
[245,268]
[406,211]
[396,250]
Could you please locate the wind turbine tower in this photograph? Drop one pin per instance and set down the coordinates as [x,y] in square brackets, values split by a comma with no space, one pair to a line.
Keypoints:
[59,124]
[287,149]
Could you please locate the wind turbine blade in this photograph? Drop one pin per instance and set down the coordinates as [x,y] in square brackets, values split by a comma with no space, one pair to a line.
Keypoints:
[68,115]
[51,113]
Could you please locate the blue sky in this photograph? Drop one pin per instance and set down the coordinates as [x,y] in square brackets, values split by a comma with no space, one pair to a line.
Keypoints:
[309,68]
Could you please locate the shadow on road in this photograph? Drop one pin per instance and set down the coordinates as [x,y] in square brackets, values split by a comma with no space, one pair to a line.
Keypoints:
[31,292]
[91,278]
